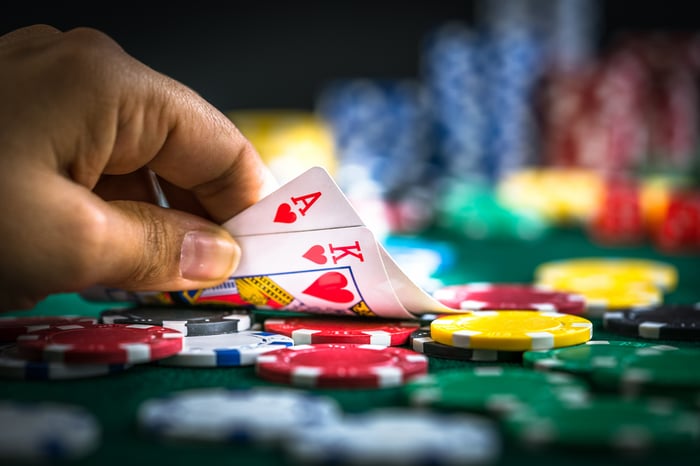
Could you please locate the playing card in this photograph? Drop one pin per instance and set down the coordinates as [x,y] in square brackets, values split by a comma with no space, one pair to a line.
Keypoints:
[305,248]
[333,271]
[311,201]
[412,297]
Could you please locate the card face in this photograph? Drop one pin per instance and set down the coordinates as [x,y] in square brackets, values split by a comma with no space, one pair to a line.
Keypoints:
[305,248]
[311,201]
[335,271]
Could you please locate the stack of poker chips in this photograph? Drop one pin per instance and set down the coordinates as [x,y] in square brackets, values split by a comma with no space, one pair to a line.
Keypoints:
[383,144]
[630,111]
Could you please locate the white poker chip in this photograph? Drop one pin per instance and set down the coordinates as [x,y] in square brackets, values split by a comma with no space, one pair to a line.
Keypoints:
[229,349]
[46,431]
[261,414]
[13,366]
[394,436]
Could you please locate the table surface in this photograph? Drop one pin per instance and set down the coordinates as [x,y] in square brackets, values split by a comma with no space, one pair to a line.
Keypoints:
[114,399]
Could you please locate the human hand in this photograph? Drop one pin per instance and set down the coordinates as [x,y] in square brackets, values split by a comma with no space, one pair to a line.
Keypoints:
[81,122]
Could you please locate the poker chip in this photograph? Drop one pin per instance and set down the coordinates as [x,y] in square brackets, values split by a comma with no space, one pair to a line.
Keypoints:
[628,270]
[259,414]
[12,327]
[492,389]
[588,358]
[619,424]
[331,365]
[190,321]
[100,343]
[395,436]
[308,330]
[509,296]
[663,322]
[511,330]
[657,367]
[421,342]
[46,431]
[229,349]
[14,366]
[604,293]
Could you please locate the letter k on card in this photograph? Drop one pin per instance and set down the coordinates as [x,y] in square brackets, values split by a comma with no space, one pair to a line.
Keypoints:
[311,201]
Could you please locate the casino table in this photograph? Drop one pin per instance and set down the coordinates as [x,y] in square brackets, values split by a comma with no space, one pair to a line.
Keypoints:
[115,398]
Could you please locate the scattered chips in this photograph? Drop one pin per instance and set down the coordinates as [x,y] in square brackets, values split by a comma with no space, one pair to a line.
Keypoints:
[311,330]
[421,342]
[511,330]
[342,366]
[260,414]
[663,322]
[46,431]
[190,321]
[395,436]
[14,366]
[12,327]
[230,349]
[100,343]
[509,296]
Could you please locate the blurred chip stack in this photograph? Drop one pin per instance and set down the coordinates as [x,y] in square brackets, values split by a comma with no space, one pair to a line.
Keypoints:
[381,132]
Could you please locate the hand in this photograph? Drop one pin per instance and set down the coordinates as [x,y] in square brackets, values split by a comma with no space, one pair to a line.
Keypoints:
[80,124]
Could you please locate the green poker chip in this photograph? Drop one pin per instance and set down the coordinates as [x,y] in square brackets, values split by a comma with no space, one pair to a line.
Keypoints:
[605,423]
[592,356]
[653,369]
[493,389]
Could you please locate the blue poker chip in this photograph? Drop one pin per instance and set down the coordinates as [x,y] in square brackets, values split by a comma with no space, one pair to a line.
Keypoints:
[220,415]
[46,431]
[229,349]
[14,366]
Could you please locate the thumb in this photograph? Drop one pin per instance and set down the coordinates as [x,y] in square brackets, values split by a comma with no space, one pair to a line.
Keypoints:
[161,249]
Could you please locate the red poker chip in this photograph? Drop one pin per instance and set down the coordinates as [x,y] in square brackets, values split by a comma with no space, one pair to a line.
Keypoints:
[314,330]
[100,343]
[505,296]
[341,366]
[12,327]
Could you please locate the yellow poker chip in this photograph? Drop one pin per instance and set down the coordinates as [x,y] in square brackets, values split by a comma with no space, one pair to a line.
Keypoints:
[603,294]
[511,330]
[620,270]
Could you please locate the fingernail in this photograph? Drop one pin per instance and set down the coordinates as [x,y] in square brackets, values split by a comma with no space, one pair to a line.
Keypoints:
[206,256]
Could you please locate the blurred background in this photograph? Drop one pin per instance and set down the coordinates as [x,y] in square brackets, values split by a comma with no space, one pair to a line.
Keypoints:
[500,119]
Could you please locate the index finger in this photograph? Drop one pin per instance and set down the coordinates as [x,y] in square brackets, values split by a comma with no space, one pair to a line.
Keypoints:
[204,152]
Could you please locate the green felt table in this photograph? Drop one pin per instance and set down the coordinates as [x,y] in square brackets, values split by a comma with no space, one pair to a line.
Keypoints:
[114,399]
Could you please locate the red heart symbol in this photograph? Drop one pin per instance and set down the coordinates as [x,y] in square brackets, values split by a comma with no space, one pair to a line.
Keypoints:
[316,254]
[330,286]
[285,215]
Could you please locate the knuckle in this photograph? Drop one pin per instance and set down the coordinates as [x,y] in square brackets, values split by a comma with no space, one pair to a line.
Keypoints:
[82,53]
[88,230]
[158,256]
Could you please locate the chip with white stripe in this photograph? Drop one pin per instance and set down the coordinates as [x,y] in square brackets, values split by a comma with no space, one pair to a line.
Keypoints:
[519,330]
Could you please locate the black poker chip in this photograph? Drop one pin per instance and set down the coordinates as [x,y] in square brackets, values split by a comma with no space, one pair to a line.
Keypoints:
[191,321]
[421,342]
[662,322]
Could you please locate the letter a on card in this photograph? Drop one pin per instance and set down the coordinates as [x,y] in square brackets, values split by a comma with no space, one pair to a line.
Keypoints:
[311,201]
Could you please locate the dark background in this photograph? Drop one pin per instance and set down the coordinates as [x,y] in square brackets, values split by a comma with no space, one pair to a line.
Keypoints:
[261,54]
